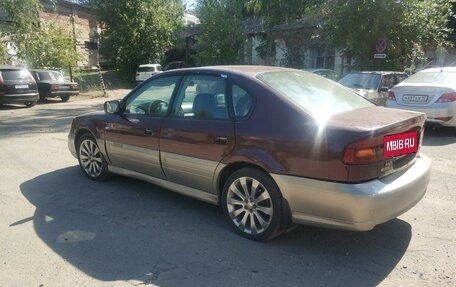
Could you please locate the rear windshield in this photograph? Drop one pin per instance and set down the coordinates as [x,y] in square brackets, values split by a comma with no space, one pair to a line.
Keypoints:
[445,77]
[319,96]
[149,69]
[16,75]
[50,76]
[361,81]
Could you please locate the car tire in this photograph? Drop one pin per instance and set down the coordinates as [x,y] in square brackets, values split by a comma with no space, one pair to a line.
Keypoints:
[91,159]
[65,98]
[252,204]
[30,104]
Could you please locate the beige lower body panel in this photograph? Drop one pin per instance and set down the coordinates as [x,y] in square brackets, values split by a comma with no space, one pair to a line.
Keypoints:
[355,206]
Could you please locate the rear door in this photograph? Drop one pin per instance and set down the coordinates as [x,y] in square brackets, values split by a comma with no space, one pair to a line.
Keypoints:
[132,140]
[199,133]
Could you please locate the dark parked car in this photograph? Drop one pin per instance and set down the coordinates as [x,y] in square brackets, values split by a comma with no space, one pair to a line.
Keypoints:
[52,84]
[273,146]
[17,86]
[373,85]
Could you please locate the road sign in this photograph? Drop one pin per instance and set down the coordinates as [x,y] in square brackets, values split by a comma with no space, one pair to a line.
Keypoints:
[380,47]
[379,56]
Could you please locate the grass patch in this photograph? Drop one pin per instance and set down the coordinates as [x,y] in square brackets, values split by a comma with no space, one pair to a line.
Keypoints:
[90,81]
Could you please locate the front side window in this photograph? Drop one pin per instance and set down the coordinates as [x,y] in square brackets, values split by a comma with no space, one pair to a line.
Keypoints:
[202,97]
[153,98]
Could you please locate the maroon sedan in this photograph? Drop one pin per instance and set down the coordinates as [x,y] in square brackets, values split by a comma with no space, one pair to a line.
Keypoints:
[273,146]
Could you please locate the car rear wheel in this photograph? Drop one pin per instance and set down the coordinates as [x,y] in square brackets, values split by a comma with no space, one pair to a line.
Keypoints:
[251,202]
[90,158]
[65,98]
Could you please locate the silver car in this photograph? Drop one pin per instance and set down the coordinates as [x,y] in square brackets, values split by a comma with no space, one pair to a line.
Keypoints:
[373,85]
[431,91]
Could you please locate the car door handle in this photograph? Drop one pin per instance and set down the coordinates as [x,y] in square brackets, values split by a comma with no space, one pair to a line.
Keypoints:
[148,132]
[221,140]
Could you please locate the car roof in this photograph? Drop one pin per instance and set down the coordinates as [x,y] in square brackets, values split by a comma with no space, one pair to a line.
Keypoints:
[11,67]
[439,69]
[149,65]
[44,70]
[377,72]
[245,70]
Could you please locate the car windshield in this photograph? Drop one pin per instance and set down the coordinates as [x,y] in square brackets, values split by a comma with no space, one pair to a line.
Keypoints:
[361,81]
[149,69]
[15,75]
[445,78]
[317,95]
[51,76]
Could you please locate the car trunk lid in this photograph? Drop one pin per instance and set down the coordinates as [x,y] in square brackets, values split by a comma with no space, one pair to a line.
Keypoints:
[368,129]
[17,82]
[419,95]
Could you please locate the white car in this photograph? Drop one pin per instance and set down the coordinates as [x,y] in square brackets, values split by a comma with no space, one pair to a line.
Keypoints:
[431,91]
[146,71]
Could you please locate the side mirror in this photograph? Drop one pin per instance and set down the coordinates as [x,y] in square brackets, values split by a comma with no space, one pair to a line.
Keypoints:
[111,107]
[384,89]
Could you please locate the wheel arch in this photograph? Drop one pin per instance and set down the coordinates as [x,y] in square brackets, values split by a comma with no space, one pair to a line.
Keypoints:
[229,169]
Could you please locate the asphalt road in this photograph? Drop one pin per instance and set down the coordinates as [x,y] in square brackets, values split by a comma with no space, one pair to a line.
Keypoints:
[57,228]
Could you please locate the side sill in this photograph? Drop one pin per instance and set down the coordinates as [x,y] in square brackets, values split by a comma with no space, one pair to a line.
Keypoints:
[182,189]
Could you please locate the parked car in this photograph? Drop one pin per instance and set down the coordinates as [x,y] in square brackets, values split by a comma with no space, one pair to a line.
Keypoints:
[52,84]
[374,86]
[17,86]
[175,65]
[327,73]
[145,71]
[273,146]
[431,91]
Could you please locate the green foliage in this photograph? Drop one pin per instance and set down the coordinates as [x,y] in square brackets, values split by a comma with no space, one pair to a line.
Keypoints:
[137,31]
[277,12]
[39,43]
[409,27]
[4,57]
[223,36]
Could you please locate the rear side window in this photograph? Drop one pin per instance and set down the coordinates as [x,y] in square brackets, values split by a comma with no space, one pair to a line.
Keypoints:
[242,101]
[16,75]
[318,96]
[50,76]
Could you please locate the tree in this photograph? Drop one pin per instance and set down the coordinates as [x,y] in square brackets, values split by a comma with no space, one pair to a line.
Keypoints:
[223,34]
[137,31]
[278,12]
[409,27]
[39,44]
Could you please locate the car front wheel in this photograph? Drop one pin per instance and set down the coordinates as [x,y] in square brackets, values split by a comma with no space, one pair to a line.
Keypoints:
[90,158]
[251,202]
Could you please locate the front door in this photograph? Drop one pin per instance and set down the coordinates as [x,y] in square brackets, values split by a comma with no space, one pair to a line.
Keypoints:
[132,140]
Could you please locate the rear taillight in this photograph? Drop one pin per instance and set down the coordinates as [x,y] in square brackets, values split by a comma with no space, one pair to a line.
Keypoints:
[364,151]
[447,98]
[74,86]
[391,96]
[55,87]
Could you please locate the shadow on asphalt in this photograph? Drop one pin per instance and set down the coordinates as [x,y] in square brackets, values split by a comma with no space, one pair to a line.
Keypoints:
[125,229]
[435,135]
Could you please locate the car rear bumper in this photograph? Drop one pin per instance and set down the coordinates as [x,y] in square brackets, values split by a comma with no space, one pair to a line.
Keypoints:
[63,93]
[355,206]
[18,98]
[434,113]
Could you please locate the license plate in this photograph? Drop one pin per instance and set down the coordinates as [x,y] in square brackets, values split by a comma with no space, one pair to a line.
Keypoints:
[415,98]
[399,144]
[21,86]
